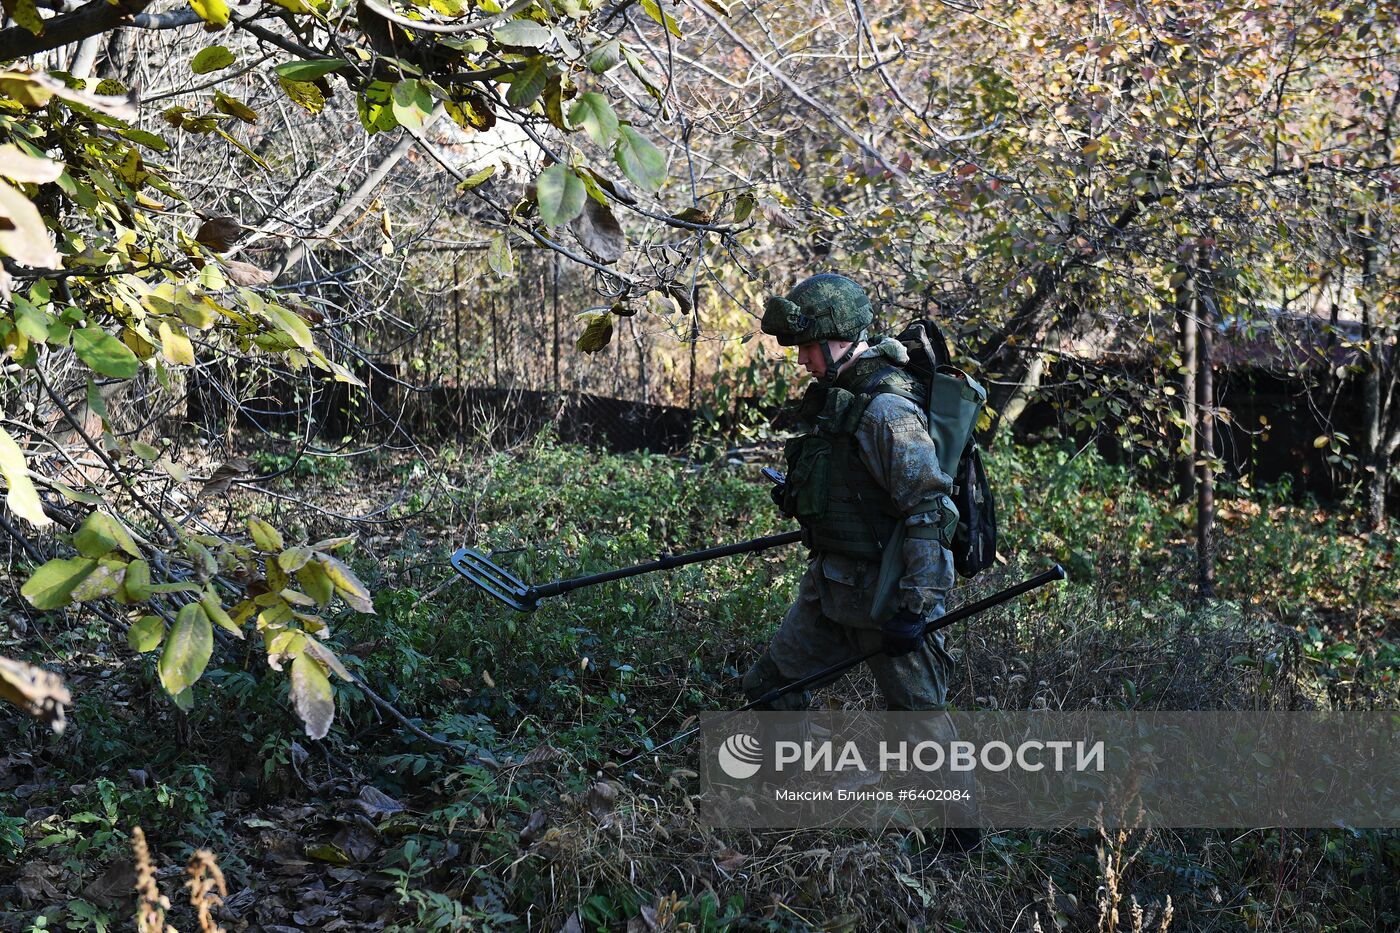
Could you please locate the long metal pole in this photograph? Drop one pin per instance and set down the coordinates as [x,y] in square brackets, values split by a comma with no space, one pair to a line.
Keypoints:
[957,615]
[665,563]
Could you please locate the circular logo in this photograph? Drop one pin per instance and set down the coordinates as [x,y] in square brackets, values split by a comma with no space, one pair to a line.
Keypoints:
[740,756]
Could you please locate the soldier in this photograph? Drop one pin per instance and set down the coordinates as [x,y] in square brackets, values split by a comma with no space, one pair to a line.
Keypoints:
[866,464]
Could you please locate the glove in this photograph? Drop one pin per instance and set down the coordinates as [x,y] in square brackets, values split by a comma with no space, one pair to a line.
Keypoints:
[776,492]
[902,633]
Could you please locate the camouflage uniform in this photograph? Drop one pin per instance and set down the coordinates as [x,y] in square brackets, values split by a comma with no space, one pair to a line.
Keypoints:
[832,619]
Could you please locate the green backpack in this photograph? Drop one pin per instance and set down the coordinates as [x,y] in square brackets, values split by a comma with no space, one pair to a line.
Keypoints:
[953,403]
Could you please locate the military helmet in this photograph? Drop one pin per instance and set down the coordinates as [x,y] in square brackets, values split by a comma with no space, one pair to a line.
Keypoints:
[822,307]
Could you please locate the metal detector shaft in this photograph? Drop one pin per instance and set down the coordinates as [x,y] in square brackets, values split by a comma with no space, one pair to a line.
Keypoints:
[559,587]
[518,594]
[957,615]
[831,673]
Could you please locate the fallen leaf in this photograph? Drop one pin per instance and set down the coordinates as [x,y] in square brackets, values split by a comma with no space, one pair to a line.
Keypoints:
[223,476]
[219,233]
[540,754]
[247,274]
[601,799]
[537,824]
[376,804]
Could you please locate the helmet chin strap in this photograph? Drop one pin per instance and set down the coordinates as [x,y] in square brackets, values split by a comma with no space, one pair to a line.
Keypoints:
[833,367]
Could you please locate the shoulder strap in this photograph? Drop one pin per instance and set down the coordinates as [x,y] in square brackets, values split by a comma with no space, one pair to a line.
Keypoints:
[879,376]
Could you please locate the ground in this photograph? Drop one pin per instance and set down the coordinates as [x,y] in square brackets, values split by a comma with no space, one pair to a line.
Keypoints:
[510,815]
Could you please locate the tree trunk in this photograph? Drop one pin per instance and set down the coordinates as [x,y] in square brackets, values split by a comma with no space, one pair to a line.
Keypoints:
[555,304]
[1376,462]
[1187,314]
[1205,445]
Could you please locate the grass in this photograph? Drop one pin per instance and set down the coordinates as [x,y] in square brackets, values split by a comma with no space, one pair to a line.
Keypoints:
[485,842]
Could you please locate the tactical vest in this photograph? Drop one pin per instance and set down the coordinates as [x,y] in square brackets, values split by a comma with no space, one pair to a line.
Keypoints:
[829,490]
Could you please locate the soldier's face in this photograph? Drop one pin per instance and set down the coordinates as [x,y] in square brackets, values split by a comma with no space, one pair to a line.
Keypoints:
[809,355]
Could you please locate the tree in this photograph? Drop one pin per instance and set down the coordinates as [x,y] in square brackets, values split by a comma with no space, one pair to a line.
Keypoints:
[112,296]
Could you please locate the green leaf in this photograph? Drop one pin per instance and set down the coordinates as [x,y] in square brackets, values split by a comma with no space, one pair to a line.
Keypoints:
[105,580]
[412,104]
[376,114]
[32,321]
[215,610]
[212,59]
[325,851]
[213,12]
[527,85]
[234,107]
[310,70]
[265,536]
[498,256]
[147,139]
[744,206]
[311,695]
[51,585]
[605,57]
[597,334]
[100,533]
[187,650]
[560,194]
[653,9]
[476,179]
[523,33]
[639,160]
[146,634]
[294,558]
[105,354]
[22,498]
[593,112]
[137,581]
[634,62]
[304,94]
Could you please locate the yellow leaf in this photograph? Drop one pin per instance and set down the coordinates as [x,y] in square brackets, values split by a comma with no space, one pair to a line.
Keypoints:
[22,498]
[23,235]
[175,346]
[26,13]
[264,535]
[348,585]
[213,12]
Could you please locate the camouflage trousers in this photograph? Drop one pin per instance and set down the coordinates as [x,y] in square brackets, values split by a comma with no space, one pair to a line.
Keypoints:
[829,623]
[810,640]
